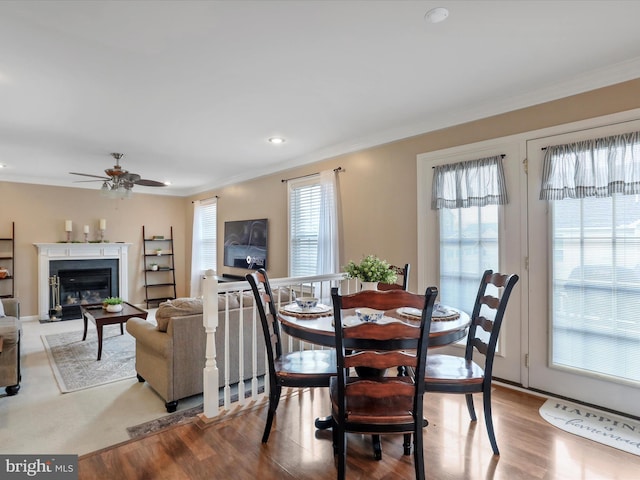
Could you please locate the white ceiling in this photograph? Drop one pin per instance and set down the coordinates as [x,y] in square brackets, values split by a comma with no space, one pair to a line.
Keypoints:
[190,91]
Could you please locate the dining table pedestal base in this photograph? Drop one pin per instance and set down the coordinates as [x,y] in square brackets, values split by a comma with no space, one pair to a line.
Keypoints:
[324,423]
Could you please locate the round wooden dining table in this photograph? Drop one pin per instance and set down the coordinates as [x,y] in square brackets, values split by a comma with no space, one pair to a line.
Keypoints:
[318,329]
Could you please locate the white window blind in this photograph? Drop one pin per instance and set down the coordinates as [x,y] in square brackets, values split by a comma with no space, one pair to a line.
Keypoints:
[595,225]
[469,245]
[304,220]
[204,242]
[209,237]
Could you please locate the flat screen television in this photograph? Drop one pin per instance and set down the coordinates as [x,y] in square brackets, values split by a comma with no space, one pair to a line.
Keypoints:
[245,244]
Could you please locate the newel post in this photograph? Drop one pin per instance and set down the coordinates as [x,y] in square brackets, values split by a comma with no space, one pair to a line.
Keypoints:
[210,320]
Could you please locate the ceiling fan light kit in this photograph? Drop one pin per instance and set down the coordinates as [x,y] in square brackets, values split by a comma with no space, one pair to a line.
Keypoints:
[119,183]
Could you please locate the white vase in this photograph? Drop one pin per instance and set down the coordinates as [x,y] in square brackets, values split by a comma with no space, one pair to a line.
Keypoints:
[369,286]
[114,308]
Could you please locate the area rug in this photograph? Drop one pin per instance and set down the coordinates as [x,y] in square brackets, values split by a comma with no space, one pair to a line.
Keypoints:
[603,427]
[187,415]
[75,365]
[163,422]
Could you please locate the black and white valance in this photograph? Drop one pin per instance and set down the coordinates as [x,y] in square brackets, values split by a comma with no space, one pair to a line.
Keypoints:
[592,168]
[474,183]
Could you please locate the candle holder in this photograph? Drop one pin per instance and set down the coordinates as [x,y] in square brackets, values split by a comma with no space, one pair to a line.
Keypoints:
[86,237]
[101,235]
[68,237]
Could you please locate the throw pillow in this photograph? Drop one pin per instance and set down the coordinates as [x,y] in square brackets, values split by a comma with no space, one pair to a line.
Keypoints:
[178,307]
[231,298]
[2,310]
[247,299]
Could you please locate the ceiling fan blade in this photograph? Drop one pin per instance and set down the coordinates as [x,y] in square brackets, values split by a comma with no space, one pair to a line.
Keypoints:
[130,177]
[88,175]
[84,181]
[149,183]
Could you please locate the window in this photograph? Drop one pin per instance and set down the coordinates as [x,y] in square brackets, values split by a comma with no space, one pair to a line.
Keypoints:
[469,245]
[468,196]
[596,285]
[313,231]
[204,246]
[304,223]
[595,226]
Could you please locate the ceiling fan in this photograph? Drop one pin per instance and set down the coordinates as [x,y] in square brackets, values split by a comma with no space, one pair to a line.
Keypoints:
[118,181]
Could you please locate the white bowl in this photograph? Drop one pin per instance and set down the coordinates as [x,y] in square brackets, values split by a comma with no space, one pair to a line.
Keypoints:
[306,303]
[369,314]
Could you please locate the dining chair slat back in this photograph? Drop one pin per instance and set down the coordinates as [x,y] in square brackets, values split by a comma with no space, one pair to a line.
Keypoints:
[453,374]
[376,403]
[402,272]
[301,368]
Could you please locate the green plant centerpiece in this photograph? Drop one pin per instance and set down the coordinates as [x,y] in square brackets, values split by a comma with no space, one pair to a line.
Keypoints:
[371,269]
[112,304]
[112,301]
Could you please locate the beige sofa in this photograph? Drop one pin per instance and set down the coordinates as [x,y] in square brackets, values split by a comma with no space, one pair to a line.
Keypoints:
[171,356]
[10,330]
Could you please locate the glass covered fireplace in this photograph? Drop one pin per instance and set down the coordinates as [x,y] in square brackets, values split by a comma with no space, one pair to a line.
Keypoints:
[80,282]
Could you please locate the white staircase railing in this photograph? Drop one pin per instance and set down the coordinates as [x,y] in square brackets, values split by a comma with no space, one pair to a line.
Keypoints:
[248,391]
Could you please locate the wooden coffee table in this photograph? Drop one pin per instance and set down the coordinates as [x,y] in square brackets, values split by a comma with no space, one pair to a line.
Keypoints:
[101,317]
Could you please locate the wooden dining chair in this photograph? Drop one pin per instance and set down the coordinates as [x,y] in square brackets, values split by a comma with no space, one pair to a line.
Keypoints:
[304,368]
[380,405]
[403,284]
[402,272]
[453,374]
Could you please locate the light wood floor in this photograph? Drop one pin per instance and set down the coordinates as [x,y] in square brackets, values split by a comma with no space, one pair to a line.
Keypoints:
[455,448]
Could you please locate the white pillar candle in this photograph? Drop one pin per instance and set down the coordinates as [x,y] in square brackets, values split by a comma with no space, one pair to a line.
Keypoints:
[103,224]
[86,229]
[67,226]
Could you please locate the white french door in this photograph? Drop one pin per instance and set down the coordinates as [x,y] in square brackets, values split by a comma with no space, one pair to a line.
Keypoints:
[581,331]
[507,222]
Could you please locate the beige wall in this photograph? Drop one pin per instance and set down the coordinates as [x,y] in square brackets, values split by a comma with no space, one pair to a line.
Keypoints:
[39,213]
[378,193]
[378,187]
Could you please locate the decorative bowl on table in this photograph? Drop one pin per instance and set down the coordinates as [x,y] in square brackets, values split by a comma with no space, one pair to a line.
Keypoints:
[306,303]
[3,272]
[369,314]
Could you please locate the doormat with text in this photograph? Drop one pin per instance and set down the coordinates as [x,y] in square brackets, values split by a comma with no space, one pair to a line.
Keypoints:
[607,428]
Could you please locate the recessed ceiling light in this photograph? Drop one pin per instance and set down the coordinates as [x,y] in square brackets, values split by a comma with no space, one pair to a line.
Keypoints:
[2,166]
[167,183]
[276,140]
[436,15]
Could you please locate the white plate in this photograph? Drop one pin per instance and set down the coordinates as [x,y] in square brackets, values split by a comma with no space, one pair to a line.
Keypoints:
[438,311]
[294,308]
[352,320]
[410,311]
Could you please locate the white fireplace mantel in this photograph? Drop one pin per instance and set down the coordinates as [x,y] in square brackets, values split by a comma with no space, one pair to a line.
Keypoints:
[78,251]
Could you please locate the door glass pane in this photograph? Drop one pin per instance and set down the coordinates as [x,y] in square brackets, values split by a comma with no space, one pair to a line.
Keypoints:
[468,246]
[596,286]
